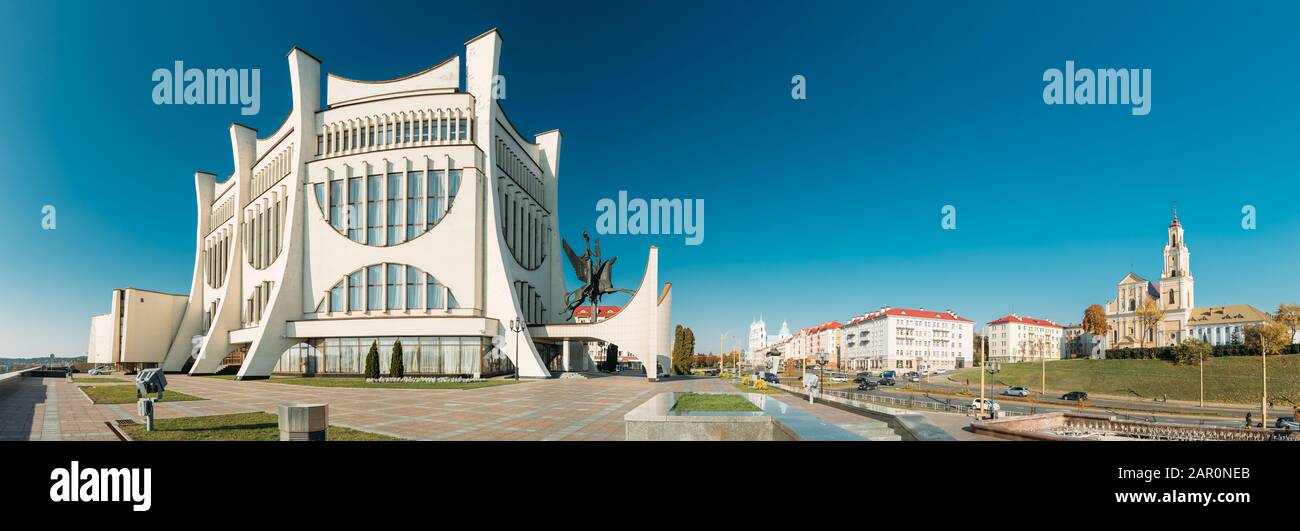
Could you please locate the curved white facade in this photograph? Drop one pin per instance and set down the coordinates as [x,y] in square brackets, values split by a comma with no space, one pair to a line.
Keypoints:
[408,209]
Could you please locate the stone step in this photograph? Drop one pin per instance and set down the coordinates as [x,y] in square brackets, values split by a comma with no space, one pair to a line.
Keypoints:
[873,430]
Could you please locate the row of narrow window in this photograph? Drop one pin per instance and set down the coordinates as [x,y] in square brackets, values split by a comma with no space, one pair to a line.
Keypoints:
[525,228]
[215,252]
[256,304]
[222,213]
[522,174]
[263,230]
[399,130]
[370,210]
[387,287]
[272,172]
[530,302]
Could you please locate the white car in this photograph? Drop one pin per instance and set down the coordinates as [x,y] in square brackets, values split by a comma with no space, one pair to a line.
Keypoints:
[1017,391]
[839,379]
[989,405]
[940,371]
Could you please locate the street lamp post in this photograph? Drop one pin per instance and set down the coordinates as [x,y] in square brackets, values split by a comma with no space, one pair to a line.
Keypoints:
[1263,405]
[516,326]
[983,361]
[1043,378]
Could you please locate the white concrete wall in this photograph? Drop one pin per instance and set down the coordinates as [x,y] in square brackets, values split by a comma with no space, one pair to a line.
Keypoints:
[100,349]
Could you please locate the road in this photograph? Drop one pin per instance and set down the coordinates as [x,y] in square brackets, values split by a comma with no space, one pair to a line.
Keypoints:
[1236,414]
[1058,405]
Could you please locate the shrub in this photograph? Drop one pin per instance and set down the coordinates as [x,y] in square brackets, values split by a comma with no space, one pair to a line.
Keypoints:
[745,381]
[760,385]
[396,368]
[372,361]
[1191,352]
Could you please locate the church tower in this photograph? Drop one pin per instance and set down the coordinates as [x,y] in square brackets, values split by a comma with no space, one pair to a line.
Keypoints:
[1177,288]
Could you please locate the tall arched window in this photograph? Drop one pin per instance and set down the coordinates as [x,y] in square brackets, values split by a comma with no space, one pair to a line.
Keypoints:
[388,287]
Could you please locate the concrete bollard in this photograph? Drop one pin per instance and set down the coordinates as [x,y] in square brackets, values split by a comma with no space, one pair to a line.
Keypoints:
[303,422]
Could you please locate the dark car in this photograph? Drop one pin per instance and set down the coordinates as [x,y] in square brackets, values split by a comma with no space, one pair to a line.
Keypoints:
[771,378]
[861,377]
[887,381]
[1075,396]
[868,385]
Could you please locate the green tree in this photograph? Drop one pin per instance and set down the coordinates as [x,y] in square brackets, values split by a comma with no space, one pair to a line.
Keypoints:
[690,344]
[679,339]
[396,367]
[372,361]
[1192,352]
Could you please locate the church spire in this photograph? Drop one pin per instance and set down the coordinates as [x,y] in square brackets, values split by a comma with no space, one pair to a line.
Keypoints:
[1175,223]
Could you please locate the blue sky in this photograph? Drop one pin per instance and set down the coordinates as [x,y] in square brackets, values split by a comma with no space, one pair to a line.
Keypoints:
[815,210]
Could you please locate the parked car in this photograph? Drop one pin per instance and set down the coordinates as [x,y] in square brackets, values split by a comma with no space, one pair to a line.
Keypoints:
[888,380]
[839,378]
[771,377]
[868,385]
[1289,423]
[914,378]
[1016,391]
[940,371]
[888,374]
[1076,396]
[98,370]
[989,405]
[862,377]
[711,372]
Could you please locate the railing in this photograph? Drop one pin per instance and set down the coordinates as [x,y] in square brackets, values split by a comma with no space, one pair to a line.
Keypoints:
[925,401]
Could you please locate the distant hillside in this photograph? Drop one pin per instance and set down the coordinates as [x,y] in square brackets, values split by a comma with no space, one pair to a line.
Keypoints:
[11,364]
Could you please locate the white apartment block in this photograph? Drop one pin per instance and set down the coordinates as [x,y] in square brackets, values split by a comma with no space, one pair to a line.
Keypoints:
[1017,338]
[899,338]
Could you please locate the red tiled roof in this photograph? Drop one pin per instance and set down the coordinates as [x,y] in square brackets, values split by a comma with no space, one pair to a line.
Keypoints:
[1026,320]
[904,312]
[605,311]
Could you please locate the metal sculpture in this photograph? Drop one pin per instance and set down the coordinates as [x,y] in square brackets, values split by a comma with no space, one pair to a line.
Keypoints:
[594,273]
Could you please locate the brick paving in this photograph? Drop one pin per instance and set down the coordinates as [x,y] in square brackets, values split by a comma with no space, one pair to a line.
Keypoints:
[52,409]
[557,409]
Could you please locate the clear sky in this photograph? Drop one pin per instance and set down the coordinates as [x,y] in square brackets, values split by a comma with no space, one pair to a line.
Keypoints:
[815,210]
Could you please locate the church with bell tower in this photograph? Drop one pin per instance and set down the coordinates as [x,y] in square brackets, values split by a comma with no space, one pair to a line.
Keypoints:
[1174,295]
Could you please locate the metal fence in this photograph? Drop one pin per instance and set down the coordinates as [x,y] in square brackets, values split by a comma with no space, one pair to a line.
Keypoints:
[918,401]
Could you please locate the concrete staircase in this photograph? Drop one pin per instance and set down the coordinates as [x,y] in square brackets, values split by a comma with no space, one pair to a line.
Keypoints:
[872,430]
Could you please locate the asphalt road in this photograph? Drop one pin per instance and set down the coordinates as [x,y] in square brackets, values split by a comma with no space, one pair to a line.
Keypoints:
[1030,408]
[939,383]
[1176,413]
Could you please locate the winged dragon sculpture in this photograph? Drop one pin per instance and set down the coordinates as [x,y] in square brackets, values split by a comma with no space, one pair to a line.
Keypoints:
[595,275]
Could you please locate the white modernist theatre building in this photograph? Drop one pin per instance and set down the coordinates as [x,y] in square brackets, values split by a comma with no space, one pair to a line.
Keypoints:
[406,210]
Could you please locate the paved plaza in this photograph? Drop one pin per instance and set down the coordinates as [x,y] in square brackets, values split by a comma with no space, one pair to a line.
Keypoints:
[556,409]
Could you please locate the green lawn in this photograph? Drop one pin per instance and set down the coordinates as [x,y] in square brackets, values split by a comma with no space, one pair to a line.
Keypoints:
[125,394]
[361,382]
[699,402]
[96,379]
[236,427]
[1227,379]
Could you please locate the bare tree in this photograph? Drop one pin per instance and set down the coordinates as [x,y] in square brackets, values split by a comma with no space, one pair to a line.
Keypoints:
[1148,316]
